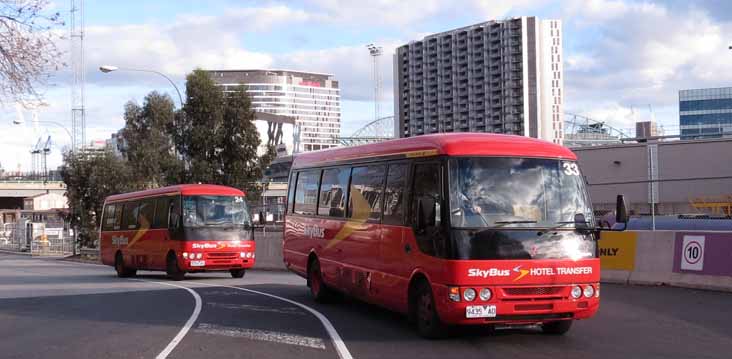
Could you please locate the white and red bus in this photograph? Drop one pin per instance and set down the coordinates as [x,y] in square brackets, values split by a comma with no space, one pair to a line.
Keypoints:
[178,229]
[460,228]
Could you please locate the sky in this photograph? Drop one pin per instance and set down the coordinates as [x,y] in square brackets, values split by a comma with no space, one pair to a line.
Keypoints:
[624,60]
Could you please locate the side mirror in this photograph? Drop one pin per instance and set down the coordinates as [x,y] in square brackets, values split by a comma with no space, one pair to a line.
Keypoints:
[262,219]
[621,210]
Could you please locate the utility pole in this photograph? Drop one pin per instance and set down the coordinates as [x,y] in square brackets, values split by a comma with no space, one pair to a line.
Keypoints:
[375,52]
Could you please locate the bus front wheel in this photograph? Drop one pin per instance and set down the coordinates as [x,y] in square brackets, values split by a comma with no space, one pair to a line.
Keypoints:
[172,268]
[428,323]
[556,328]
[119,266]
[237,273]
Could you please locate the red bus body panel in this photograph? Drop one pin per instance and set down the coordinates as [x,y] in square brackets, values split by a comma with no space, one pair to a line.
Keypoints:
[147,249]
[370,262]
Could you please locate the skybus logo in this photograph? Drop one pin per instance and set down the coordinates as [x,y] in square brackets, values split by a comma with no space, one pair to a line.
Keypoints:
[493,272]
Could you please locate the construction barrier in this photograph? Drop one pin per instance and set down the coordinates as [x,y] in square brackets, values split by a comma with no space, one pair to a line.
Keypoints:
[685,259]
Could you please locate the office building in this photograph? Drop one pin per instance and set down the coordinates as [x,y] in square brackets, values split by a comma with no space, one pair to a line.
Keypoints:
[705,113]
[498,76]
[298,109]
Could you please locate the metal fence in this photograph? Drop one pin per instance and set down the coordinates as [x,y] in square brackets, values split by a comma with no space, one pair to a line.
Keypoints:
[36,239]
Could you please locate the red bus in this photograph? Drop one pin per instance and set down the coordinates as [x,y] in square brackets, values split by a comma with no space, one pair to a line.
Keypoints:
[178,229]
[460,228]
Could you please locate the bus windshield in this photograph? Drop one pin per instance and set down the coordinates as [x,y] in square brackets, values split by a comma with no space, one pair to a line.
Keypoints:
[215,211]
[490,192]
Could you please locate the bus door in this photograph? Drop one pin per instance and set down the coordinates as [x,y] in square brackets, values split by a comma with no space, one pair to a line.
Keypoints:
[426,217]
[361,247]
[393,249]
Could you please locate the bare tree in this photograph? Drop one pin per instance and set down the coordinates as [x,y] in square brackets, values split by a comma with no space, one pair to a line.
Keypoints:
[28,51]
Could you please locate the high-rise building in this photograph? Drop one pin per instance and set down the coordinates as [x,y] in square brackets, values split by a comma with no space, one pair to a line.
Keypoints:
[310,100]
[497,76]
[705,113]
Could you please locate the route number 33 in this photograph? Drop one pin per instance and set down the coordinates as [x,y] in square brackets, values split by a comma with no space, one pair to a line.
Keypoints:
[570,169]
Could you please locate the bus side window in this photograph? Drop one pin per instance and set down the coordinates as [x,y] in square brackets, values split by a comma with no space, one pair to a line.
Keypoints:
[109,218]
[146,212]
[130,216]
[174,216]
[162,206]
[117,225]
[364,199]
[291,193]
[306,192]
[333,192]
[395,194]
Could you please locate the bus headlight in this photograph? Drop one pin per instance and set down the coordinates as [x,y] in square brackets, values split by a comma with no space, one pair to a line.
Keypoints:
[589,291]
[485,294]
[242,254]
[249,254]
[576,292]
[453,294]
[469,294]
[199,255]
[185,255]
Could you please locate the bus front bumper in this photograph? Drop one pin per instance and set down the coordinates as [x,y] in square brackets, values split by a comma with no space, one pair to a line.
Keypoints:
[525,309]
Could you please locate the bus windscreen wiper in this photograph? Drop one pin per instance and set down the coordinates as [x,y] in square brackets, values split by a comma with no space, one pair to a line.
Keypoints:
[513,222]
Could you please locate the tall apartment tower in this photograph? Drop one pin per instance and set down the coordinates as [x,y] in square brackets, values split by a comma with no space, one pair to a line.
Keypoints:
[498,76]
[311,100]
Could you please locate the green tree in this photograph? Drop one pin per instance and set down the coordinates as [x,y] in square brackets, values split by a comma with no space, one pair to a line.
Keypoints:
[89,179]
[150,149]
[216,135]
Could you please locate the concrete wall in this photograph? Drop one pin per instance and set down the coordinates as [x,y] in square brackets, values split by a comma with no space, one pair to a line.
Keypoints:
[654,265]
[609,168]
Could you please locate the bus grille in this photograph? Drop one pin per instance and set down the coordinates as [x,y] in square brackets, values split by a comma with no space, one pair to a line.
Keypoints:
[532,291]
[222,255]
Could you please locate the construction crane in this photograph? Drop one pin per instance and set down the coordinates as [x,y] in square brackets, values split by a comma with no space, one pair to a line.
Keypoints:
[46,150]
[35,154]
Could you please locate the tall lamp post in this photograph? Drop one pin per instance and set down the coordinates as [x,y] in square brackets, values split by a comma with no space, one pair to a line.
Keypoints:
[71,138]
[109,68]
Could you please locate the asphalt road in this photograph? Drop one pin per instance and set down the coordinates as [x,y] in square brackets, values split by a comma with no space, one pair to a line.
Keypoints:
[57,309]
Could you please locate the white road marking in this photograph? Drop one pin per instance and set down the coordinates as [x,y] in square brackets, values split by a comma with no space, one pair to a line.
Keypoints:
[256,308]
[262,335]
[187,326]
[338,343]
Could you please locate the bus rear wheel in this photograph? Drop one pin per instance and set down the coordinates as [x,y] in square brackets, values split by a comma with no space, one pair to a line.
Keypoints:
[122,271]
[428,322]
[174,272]
[556,328]
[318,290]
[237,273]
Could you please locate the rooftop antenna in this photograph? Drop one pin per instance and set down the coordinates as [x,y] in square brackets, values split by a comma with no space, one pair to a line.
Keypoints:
[375,52]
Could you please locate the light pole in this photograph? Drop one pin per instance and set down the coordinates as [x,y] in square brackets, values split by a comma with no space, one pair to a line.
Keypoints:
[71,138]
[109,68]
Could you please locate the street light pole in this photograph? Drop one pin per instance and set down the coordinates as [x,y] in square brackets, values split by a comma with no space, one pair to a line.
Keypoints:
[108,68]
[71,138]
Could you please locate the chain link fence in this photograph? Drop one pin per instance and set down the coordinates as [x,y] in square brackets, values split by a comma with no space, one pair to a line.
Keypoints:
[37,239]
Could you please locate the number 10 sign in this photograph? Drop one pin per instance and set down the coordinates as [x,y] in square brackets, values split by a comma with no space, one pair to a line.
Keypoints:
[692,254]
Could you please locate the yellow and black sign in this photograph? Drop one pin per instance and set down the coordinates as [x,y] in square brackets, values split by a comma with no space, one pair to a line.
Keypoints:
[617,250]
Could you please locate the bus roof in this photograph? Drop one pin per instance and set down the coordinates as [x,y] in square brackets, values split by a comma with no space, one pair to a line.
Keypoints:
[451,144]
[184,189]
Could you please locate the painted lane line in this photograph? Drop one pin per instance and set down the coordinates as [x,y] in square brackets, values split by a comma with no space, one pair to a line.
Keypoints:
[189,323]
[261,335]
[257,308]
[338,343]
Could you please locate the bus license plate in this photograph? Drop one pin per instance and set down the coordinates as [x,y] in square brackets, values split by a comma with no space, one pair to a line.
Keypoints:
[198,263]
[480,311]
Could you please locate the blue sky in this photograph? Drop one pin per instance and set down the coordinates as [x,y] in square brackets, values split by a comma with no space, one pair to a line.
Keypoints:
[620,56]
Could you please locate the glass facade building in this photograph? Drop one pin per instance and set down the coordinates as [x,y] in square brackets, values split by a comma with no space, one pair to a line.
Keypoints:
[705,113]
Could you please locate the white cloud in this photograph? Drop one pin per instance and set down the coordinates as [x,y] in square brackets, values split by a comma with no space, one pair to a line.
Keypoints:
[379,12]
